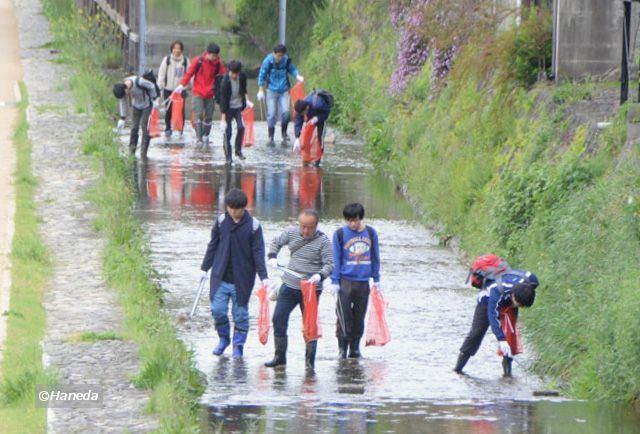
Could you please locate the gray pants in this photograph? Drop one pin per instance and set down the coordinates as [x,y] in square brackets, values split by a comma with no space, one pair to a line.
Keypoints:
[140,119]
[203,109]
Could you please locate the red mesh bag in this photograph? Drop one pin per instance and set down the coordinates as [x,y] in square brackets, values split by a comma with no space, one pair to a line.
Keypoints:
[509,325]
[177,105]
[310,143]
[263,315]
[377,327]
[296,93]
[310,323]
[154,123]
[248,118]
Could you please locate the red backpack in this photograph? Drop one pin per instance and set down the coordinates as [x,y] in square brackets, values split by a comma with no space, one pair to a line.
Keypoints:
[488,266]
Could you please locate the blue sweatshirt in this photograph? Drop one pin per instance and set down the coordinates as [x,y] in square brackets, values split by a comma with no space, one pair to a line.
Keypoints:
[358,257]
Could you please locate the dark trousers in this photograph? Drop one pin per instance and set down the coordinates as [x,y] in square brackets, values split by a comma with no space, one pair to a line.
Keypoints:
[167,115]
[140,119]
[234,114]
[479,327]
[351,308]
[288,299]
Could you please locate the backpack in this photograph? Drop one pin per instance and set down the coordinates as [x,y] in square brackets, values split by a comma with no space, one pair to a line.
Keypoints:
[328,98]
[491,267]
[149,76]
[168,62]
[340,234]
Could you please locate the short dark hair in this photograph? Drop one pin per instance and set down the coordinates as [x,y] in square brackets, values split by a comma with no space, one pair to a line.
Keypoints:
[300,106]
[280,48]
[524,293]
[213,48]
[235,66]
[119,90]
[310,211]
[177,42]
[353,211]
[235,199]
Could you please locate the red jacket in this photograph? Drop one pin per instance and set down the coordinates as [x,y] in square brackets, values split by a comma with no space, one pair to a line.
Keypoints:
[205,75]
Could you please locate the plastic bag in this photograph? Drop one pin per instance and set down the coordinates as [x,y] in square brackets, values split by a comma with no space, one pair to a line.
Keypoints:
[310,322]
[377,327]
[263,315]
[248,117]
[509,325]
[296,93]
[177,106]
[310,143]
[154,123]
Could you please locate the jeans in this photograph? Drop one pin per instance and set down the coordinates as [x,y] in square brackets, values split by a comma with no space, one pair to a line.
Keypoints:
[140,119]
[167,115]
[203,109]
[277,102]
[220,307]
[479,326]
[237,115]
[288,299]
[351,307]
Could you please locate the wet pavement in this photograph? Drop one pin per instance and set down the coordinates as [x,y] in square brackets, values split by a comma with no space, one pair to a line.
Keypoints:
[406,386]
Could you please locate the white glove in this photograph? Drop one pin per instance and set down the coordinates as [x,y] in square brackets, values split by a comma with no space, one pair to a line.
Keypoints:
[378,286]
[120,124]
[296,145]
[223,125]
[265,282]
[315,278]
[505,348]
[204,274]
[273,293]
[249,104]
[334,289]
[314,120]
[179,89]
[156,103]
[299,78]
[260,95]
[273,262]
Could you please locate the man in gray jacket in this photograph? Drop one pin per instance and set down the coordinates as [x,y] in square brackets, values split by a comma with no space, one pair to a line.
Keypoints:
[311,259]
[143,97]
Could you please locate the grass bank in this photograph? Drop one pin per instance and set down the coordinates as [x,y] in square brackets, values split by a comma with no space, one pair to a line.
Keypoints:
[508,166]
[167,368]
[22,366]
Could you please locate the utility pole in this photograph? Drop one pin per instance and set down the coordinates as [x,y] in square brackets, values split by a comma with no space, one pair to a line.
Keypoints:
[283,21]
[143,36]
[624,70]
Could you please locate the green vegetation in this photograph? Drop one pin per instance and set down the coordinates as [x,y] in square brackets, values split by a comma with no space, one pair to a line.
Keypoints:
[167,368]
[95,337]
[503,163]
[30,269]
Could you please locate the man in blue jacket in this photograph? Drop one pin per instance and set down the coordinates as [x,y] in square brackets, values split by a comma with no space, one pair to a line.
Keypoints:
[234,255]
[357,257]
[314,108]
[500,287]
[274,76]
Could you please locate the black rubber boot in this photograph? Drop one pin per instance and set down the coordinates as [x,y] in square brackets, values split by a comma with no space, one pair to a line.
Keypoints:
[354,349]
[280,358]
[272,132]
[285,136]
[506,367]
[462,361]
[343,344]
[310,355]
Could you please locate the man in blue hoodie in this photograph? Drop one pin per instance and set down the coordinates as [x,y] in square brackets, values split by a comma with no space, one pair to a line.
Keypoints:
[234,255]
[357,257]
[274,76]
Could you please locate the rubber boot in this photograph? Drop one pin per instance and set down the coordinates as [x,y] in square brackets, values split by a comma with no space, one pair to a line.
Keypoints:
[310,355]
[239,338]
[506,367]
[272,132]
[223,333]
[280,357]
[354,349]
[199,133]
[285,136]
[343,344]
[462,361]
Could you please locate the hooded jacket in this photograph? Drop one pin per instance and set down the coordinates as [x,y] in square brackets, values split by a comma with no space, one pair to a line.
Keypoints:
[204,75]
[276,75]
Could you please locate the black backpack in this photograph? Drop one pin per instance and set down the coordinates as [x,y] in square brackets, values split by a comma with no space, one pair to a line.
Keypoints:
[328,98]
[149,75]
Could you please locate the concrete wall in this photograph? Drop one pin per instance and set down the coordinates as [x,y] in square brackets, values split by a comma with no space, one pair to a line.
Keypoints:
[587,37]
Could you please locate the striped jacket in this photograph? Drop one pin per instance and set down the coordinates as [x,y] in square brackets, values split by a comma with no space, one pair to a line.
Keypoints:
[308,255]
